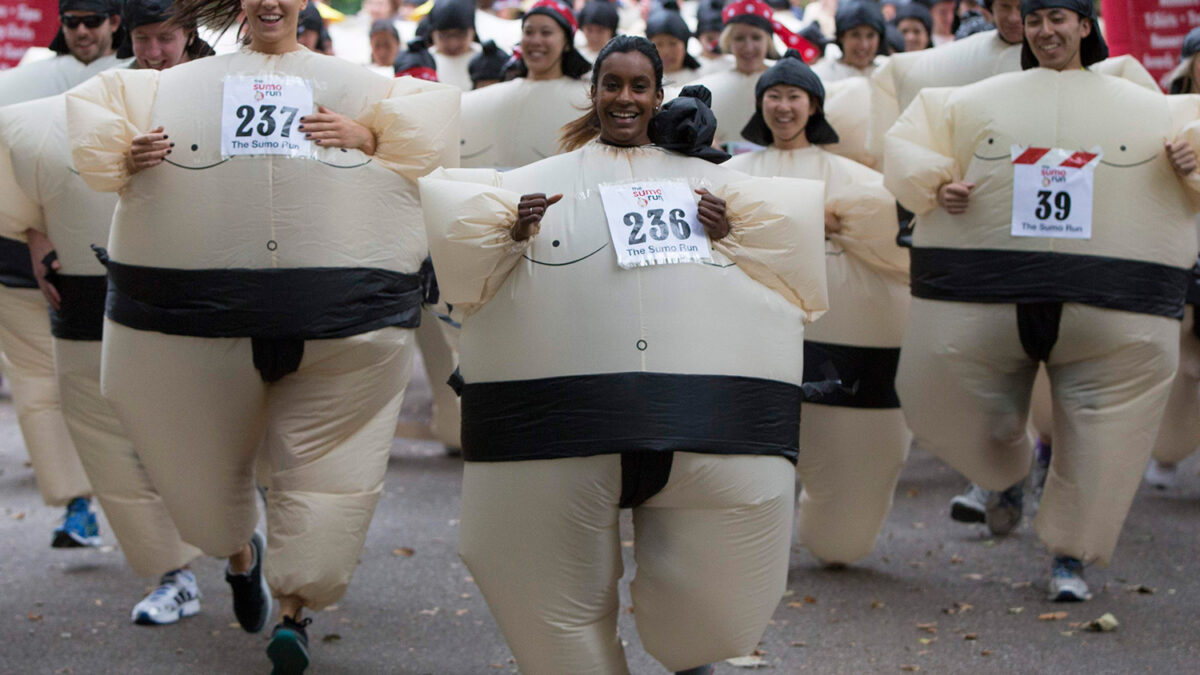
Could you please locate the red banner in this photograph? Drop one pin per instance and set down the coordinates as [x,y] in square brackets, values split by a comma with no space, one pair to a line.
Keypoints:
[25,24]
[1151,31]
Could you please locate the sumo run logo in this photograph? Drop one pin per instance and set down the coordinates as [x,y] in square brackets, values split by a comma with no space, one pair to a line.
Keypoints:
[264,90]
[646,195]
[1053,176]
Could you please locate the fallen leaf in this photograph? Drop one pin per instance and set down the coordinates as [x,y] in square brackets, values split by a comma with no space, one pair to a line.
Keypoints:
[430,612]
[930,628]
[1106,623]
[460,612]
[1139,588]
[810,600]
[798,643]
[910,668]
[332,637]
[1067,633]
[404,552]
[795,605]
[1015,610]
[927,641]
[789,593]
[876,604]
[751,661]
[971,636]
[974,576]
[985,652]
[913,492]
[627,544]
[35,617]
[1052,616]
[956,559]
[918,525]
[331,608]
[989,543]
[19,515]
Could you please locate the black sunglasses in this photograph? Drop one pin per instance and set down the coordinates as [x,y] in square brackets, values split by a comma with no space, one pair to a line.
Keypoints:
[89,20]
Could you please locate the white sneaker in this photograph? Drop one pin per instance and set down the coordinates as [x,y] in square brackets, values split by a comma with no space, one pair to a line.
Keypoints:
[176,597]
[1066,581]
[970,506]
[1161,476]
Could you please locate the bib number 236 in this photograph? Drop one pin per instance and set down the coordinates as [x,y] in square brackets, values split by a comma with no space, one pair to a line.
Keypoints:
[654,223]
[260,115]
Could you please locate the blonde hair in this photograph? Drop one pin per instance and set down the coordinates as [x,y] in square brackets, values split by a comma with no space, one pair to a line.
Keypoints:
[724,40]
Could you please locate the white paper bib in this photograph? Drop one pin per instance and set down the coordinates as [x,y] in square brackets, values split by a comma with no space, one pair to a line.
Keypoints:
[260,115]
[654,223]
[1053,192]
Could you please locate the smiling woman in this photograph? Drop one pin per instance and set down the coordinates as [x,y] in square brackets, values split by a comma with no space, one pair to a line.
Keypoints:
[598,377]
[269,309]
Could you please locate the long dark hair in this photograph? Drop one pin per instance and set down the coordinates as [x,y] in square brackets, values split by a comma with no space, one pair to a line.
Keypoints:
[578,132]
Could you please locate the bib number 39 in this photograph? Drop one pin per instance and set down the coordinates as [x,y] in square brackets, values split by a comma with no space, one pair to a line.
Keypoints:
[260,115]
[1053,191]
[654,223]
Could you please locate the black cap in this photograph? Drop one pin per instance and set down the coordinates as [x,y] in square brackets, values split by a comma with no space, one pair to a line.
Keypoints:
[599,12]
[310,19]
[145,12]
[384,26]
[860,13]
[1092,49]
[914,10]
[488,64]
[1191,44]
[708,16]
[812,33]
[452,15]
[416,61]
[790,70]
[109,7]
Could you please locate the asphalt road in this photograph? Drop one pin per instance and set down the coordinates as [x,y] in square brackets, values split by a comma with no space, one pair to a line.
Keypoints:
[935,597]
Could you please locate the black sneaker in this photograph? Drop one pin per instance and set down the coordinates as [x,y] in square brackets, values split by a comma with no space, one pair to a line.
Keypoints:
[251,596]
[698,670]
[288,649]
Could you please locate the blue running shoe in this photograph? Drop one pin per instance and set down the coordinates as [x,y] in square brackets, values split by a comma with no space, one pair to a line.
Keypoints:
[79,528]
[1066,581]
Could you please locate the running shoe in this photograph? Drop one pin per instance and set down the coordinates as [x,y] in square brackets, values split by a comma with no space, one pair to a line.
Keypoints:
[1066,581]
[176,597]
[970,506]
[79,528]
[1161,476]
[698,670]
[251,596]
[1004,509]
[288,648]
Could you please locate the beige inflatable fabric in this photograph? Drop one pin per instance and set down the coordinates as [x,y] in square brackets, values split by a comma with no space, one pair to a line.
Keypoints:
[851,451]
[29,364]
[534,319]
[1179,433]
[53,76]
[549,560]
[329,414]
[896,83]
[833,70]
[74,216]
[848,108]
[452,70]
[438,342]
[732,101]
[516,123]
[963,371]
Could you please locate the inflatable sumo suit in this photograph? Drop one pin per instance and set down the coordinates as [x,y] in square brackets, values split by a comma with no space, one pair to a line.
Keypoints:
[672,389]
[40,190]
[263,296]
[896,83]
[853,441]
[1102,313]
[515,123]
[454,15]
[1179,433]
[28,352]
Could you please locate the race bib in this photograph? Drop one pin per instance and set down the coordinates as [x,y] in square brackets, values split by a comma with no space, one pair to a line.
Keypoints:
[1053,192]
[260,115]
[654,223]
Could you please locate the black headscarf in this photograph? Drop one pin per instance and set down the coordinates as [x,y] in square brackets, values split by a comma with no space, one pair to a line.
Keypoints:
[416,61]
[790,70]
[452,15]
[708,16]
[106,7]
[488,64]
[687,125]
[861,13]
[1092,49]
[666,20]
[812,33]
[138,13]
[915,10]
[601,13]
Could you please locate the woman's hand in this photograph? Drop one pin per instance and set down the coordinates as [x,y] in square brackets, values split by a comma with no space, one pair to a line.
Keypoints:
[331,130]
[148,150]
[40,246]
[530,210]
[1182,156]
[955,197]
[711,212]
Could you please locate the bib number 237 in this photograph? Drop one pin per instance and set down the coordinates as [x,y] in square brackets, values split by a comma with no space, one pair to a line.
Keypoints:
[260,115]
[654,223]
